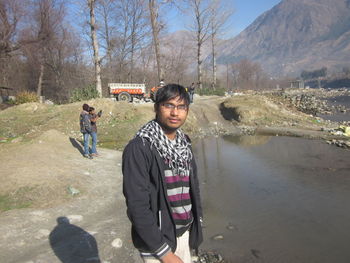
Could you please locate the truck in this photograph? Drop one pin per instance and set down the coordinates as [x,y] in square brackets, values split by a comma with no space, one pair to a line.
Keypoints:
[129,91]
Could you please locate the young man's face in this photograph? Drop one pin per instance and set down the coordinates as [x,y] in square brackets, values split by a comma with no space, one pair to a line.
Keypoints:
[172,114]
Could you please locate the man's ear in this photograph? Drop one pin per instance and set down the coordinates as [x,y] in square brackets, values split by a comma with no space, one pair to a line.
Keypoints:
[155,108]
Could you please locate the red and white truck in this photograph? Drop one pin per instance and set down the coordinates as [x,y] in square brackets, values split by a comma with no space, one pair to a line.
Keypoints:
[129,91]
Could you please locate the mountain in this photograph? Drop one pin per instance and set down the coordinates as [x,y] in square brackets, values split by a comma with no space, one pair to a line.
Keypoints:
[295,35]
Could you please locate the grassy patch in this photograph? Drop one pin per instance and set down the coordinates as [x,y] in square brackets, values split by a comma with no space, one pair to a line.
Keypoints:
[15,200]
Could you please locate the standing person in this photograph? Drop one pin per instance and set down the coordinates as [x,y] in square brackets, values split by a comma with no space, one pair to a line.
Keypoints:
[93,119]
[85,129]
[191,91]
[160,183]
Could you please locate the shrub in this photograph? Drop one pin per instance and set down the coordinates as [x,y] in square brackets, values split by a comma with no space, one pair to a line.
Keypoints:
[86,93]
[26,96]
[210,91]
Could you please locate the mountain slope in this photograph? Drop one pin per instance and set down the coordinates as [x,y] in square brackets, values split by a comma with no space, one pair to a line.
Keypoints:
[295,35]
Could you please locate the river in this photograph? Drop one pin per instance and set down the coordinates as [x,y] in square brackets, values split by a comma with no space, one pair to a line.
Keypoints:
[275,199]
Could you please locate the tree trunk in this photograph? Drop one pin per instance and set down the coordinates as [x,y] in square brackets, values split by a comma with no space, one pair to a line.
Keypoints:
[213,61]
[155,30]
[40,82]
[97,61]
[199,63]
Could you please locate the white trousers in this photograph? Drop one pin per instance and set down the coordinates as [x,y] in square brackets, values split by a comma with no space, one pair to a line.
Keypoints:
[182,250]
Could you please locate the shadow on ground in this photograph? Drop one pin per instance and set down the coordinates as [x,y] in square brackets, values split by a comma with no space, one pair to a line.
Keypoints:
[72,244]
[76,144]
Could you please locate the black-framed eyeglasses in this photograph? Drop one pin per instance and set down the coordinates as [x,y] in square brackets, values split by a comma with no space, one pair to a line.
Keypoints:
[169,106]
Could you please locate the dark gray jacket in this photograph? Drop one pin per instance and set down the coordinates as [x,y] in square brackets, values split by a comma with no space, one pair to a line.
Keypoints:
[85,122]
[148,207]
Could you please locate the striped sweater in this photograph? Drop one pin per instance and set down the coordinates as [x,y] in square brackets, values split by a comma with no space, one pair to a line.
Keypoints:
[178,192]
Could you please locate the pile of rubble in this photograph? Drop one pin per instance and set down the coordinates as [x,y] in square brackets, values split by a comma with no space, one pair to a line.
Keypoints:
[309,104]
[313,101]
[209,257]
[341,131]
[340,143]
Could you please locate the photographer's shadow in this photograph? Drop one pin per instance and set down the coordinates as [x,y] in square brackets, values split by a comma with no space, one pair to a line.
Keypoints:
[72,244]
[76,144]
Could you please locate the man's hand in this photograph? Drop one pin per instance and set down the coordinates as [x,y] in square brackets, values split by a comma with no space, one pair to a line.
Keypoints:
[171,258]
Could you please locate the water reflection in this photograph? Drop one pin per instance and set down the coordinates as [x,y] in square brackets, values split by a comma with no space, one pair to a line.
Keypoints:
[275,199]
[247,140]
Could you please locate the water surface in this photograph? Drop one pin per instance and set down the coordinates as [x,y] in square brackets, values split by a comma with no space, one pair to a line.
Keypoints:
[338,116]
[275,199]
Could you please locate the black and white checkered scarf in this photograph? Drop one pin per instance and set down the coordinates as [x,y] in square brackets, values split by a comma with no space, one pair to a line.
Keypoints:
[177,155]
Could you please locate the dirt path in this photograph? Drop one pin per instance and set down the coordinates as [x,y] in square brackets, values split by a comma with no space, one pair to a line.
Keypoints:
[92,224]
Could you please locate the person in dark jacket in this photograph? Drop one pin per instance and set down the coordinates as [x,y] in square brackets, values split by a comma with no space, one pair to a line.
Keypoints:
[160,183]
[191,90]
[85,129]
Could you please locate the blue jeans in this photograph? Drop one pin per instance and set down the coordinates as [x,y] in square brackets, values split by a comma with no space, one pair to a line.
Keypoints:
[191,97]
[94,142]
[86,143]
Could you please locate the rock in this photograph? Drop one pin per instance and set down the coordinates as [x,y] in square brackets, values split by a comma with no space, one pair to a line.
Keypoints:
[75,218]
[209,257]
[232,227]
[117,243]
[218,237]
[73,191]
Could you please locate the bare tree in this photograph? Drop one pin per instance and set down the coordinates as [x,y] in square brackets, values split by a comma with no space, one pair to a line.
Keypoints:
[12,13]
[248,75]
[219,14]
[51,58]
[138,31]
[153,8]
[201,27]
[97,60]
[49,17]
[106,9]
[124,30]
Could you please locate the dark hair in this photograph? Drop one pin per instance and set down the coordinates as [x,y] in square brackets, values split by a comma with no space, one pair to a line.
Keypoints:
[171,91]
[91,109]
[86,107]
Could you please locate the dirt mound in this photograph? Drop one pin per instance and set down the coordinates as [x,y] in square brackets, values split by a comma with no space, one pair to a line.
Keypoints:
[26,107]
[259,110]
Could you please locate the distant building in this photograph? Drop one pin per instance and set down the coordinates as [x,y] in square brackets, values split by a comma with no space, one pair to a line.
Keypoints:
[297,84]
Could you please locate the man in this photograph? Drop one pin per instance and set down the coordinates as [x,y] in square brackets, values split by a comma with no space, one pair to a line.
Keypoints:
[160,183]
[85,129]
[191,91]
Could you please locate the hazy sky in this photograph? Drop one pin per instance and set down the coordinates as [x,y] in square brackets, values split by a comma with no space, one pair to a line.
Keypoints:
[245,12]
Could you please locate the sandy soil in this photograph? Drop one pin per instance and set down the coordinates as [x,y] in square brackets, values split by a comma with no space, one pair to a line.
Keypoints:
[96,216]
